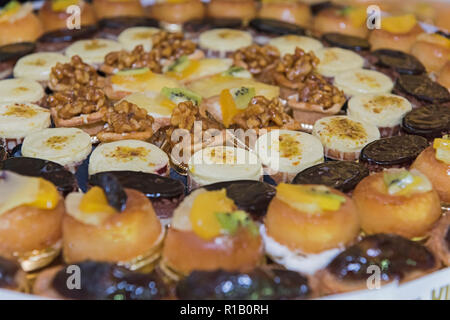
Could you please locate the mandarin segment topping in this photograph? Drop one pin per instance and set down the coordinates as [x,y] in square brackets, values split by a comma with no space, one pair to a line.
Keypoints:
[47,196]
[95,201]
[399,24]
[442,147]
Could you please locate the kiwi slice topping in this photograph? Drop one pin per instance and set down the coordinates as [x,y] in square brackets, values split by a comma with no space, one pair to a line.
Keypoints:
[180,64]
[242,96]
[178,95]
[132,72]
[237,72]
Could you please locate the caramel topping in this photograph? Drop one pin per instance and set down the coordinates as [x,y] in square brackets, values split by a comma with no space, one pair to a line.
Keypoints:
[289,146]
[368,80]
[220,156]
[376,104]
[21,89]
[345,129]
[58,142]
[94,45]
[143,35]
[20,110]
[37,63]
[127,153]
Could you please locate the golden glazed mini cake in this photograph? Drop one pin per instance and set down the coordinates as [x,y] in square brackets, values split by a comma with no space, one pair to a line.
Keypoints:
[118,8]
[286,10]
[433,50]
[238,9]
[173,13]
[348,20]
[54,16]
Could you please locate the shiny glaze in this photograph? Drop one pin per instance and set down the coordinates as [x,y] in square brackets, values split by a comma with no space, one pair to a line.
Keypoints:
[8,270]
[396,256]
[258,284]
[66,35]
[341,175]
[63,179]
[16,50]
[429,121]
[346,41]
[423,88]
[399,61]
[393,150]
[276,27]
[153,186]
[106,281]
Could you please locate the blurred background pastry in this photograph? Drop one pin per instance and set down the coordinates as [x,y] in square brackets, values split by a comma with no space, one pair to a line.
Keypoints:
[53,14]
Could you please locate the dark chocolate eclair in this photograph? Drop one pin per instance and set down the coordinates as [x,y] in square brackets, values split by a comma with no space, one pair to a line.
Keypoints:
[340,175]
[259,284]
[395,256]
[345,41]
[275,27]
[430,121]
[248,195]
[399,61]
[393,151]
[8,272]
[422,88]
[62,178]
[107,281]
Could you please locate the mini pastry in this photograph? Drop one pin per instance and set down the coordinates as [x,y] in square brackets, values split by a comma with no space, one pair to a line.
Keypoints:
[285,153]
[348,20]
[214,164]
[421,90]
[362,81]
[10,53]
[37,66]
[101,281]
[110,28]
[433,50]
[54,16]
[444,76]
[93,51]
[434,162]
[173,13]
[18,23]
[59,40]
[286,10]
[397,33]
[385,111]
[397,201]
[334,61]
[259,284]
[288,44]
[111,224]
[343,137]
[308,225]
[62,76]
[132,37]
[21,91]
[68,147]
[193,28]
[131,155]
[360,45]
[19,120]
[63,179]
[118,8]
[186,70]
[265,29]
[394,63]
[216,235]
[222,42]
[439,241]
[340,175]
[393,152]
[242,9]
[164,193]
[429,121]
[31,212]
[12,277]
[397,258]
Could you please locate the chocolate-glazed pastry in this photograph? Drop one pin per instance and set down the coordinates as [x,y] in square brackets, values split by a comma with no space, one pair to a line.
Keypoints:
[164,193]
[421,90]
[393,152]
[439,241]
[340,175]
[101,281]
[193,28]
[430,121]
[397,258]
[347,42]
[112,27]
[62,178]
[58,40]
[259,284]
[11,276]
[394,63]
[251,196]
[264,29]
[10,53]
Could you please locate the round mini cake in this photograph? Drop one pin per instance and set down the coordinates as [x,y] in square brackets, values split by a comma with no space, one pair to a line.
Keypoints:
[285,153]
[10,53]
[59,40]
[37,66]
[431,121]
[393,61]
[241,9]
[93,51]
[132,37]
[222,42]
[67,146]
[215,164]
[288,43]
[21,91]
[130,155]
[172,14]
[294,12]
[19,120]
[362,81]
[384,110]
[334,61]
[343,137]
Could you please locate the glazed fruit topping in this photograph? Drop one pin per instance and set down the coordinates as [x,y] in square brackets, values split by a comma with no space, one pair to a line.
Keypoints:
[399,24]
[442,147]
[402,182]
[113,191]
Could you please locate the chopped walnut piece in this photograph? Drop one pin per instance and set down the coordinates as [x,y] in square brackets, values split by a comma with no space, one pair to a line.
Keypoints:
[171,45]
[138,58]
[126,117]
[265,113]
[256,58]
[293,69]
[75,74]
[316,90]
